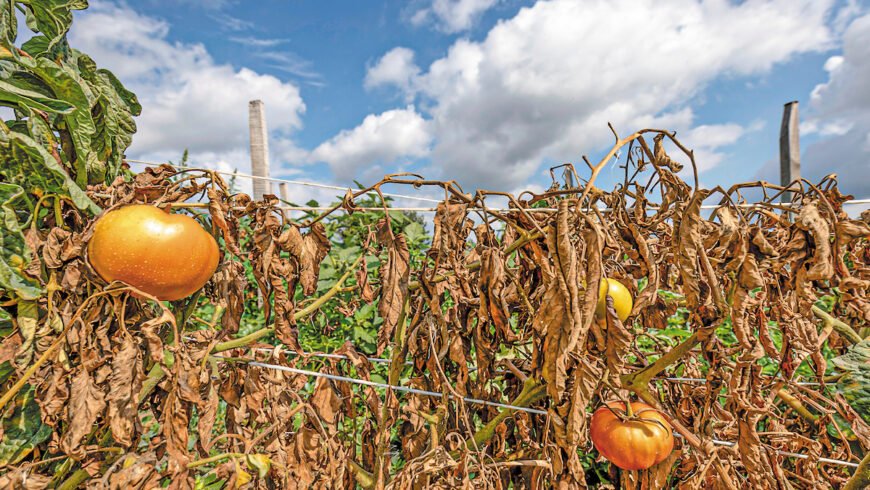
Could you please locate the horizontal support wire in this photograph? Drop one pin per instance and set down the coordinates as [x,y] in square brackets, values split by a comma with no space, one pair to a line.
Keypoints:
[476,401]
[286,181]
[381,360]
[415,391]
[405,196]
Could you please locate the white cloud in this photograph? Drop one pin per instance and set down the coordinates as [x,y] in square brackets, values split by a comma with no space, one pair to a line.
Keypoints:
[379,139]
[397,68]
[840,110]
[189,100]
[258,42]
[452,16]
[543,84]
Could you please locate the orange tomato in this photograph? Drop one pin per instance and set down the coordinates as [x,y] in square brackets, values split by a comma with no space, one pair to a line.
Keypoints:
[169,256]
[622,301]
[632,444]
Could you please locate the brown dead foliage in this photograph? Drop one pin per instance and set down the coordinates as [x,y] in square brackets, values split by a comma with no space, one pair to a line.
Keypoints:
[501,314]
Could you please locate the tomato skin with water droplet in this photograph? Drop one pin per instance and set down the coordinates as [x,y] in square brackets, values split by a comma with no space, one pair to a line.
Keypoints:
[631,444]
[169,256]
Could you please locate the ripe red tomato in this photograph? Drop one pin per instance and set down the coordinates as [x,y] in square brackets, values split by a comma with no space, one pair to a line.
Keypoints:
[169,256]
[622,301]
[633,444]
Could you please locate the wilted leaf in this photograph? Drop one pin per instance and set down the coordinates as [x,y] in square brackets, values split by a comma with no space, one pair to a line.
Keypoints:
[86,404]
[394,283]
[125,384]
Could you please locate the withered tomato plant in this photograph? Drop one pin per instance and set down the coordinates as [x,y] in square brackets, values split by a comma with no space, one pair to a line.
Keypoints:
[477,333]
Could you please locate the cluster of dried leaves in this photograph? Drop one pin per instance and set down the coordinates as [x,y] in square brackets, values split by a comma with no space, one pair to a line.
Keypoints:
[135,392]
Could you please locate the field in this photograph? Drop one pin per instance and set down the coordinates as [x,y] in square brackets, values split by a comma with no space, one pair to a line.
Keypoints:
[375,348]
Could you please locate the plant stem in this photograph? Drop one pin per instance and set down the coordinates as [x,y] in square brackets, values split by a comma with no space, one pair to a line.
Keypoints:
[75,480]
[796,405]
[393,378]
[532,392]
[363,477]
[213,459]
[639,380]
[253,337]
[842,328]
[861,479]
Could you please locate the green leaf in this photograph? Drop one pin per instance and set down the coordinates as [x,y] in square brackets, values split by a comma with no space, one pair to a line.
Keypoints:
[53,17]
[8,22]
[854,385]
[36,45]
[28,322]
[23,431]
[6,325]
[45,169]
[67,85]
[14,255]
[209,482]
[13,95]
[6,371]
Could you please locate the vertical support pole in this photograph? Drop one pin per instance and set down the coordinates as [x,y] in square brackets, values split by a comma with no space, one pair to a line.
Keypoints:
[259,147]
[568,175]
[789,148]
[284,191]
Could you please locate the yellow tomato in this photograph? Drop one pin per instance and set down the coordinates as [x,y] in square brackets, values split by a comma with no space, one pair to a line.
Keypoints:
[622,301]
[169,256]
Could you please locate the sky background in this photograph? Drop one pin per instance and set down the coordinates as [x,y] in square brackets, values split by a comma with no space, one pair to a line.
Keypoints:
[490,93]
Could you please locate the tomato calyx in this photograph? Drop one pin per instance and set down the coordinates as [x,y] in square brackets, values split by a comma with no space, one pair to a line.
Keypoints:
[629,415]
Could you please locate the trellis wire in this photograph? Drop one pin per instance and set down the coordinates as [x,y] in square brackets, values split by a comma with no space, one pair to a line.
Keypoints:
[374,384]
[273,179]
[476,401]
[381,360]
[402,196]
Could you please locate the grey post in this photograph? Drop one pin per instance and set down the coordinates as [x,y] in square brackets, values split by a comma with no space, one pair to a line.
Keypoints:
[285,191]
[789,148]
[259,147]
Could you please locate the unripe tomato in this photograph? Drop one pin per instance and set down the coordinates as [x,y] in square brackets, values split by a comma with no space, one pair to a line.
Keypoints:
[622,301]
[169,256]
[633,444]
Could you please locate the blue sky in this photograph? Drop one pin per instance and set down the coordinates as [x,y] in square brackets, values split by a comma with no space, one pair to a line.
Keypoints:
[490,92]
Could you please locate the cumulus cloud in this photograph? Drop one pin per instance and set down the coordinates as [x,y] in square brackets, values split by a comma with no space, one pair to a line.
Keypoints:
[452,16]
[379,139]
[542,85]
[395,68]
[840,112]
[189,100]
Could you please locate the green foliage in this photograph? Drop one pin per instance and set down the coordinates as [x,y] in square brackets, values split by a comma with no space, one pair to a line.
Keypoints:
[71,124]
[24,430]
[331,327]
[855,382]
